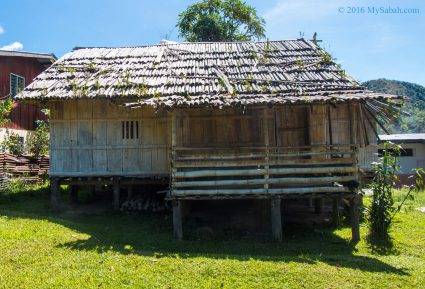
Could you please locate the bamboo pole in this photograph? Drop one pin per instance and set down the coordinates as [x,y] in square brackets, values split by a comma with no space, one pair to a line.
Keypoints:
[282,181]
[247,163]
[256,172]
[272,191]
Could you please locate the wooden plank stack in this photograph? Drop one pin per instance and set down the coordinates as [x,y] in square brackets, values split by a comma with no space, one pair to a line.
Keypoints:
[24,167]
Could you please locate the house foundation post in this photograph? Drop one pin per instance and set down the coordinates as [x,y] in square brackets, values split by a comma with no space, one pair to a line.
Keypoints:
[335,211]
[318,205]
[116,192]
[276,219]
[355,219]
[73,194]
[129,192]
[177,220]
[55,196]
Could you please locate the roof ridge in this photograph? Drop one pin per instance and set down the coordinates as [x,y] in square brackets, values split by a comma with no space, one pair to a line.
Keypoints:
[188,43]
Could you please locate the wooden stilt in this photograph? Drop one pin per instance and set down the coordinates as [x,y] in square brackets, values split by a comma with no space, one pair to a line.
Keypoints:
[55,196]
[310,202]
[116,192]
[177,220]
[276,220]
[354,212]
[73,194]
[318,206]
[335,211]
[129,192]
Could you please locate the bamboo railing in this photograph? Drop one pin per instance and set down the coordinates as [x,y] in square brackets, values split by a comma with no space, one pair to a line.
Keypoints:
[263,171]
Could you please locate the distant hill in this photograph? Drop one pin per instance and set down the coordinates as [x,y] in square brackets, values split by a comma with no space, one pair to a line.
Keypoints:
[415,105]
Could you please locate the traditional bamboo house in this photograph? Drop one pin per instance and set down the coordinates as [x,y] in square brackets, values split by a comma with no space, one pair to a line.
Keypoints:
[246,120]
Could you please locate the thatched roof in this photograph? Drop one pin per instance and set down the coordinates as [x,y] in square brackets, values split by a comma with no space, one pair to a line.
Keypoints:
[212,74]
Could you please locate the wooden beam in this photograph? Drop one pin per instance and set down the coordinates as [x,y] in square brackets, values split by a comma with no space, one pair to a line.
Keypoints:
[177,220]
[355,219]
[353,126]
[276,220]
[55,196]
[116,192]
[266,144]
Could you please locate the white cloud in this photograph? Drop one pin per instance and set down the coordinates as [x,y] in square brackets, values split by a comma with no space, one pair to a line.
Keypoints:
[15,46]
[1,30]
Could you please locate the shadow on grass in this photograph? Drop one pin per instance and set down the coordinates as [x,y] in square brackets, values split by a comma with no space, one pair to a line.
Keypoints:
[381,246]
[151,235]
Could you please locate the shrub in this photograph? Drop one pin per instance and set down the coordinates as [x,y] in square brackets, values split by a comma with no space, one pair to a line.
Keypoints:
[382,207]
[38,141]
[13,144]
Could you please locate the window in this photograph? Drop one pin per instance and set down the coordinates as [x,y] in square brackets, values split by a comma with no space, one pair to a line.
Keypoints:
[403,152]
[17,84]
[130,129]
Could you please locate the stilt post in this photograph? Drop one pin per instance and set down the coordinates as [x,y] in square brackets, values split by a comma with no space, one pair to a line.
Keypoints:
[335,212]
[73,194]
[129,192]
[276,219]
[116,192]
[177,220]
[318,205]
[355,219]
[55,196]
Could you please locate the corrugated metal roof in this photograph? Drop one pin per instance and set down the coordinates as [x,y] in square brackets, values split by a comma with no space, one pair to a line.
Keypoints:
[403,138]
[212,74]
[48,56]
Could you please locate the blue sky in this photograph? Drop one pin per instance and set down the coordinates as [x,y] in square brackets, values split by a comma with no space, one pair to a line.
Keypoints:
[368,45]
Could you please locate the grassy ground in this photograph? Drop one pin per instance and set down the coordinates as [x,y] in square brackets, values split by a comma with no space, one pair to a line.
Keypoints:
[43,249]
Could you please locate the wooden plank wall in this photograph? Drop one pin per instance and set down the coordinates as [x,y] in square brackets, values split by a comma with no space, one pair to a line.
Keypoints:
[222,128]
[87,134]
[86,139]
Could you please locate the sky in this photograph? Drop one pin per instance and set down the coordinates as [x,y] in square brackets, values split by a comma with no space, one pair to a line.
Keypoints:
[365,40]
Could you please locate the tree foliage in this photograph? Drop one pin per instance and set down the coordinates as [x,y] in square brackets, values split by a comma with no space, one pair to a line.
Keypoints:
[38,141]
[382,186]
[220,20]
[12,143]
[6,106]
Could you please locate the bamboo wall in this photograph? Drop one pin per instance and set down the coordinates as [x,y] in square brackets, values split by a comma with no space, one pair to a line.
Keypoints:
[86,139]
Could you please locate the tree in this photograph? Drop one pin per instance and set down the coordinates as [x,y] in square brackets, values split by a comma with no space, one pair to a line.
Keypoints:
[6,106]
[220,20]
[38,141]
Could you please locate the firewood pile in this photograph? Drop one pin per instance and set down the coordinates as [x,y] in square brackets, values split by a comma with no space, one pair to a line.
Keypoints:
[146,203]
[24,167]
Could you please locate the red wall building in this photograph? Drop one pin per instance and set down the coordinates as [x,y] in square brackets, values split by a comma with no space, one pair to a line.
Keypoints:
[17,70]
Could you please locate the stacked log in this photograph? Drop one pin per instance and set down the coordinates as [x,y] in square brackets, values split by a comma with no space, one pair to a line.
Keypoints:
[23,167]
[147,202]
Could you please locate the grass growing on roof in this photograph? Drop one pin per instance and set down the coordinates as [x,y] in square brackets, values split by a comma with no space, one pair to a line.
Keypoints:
[43,249]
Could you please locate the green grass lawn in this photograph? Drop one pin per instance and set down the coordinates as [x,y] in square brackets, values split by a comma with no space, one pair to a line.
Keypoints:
[43,249]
